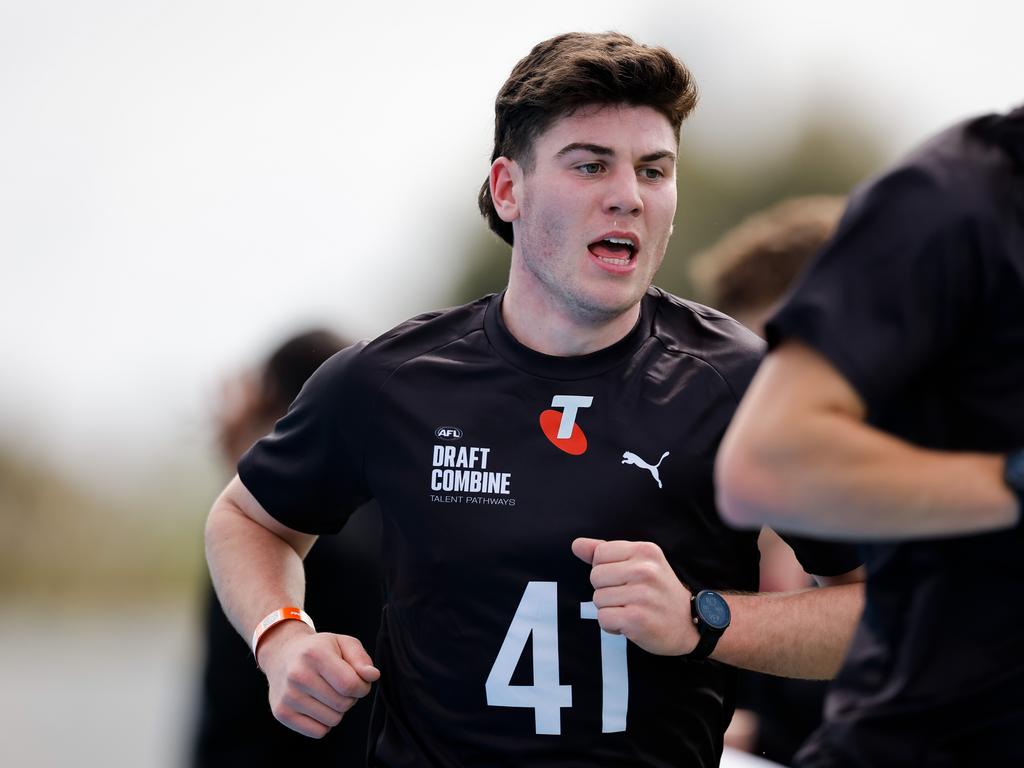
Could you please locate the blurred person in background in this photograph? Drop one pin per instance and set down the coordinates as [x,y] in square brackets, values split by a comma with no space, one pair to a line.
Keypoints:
[890,409]
[748,271]
[343,587]
[542,458]
[745,274]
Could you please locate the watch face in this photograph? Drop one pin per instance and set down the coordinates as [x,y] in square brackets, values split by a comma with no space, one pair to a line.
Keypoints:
[713,609]
[1015,471]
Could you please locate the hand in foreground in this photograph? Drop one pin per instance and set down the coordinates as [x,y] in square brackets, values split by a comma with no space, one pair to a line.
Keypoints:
[314,678]
[638,595]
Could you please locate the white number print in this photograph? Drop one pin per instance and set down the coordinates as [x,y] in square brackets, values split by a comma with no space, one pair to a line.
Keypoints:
[537,614]
[614,676]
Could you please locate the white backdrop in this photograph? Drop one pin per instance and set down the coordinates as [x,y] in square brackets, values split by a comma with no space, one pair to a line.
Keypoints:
[182,183]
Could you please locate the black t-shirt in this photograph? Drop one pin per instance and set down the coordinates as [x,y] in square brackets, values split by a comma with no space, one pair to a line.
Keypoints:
[487,460]
[918,302]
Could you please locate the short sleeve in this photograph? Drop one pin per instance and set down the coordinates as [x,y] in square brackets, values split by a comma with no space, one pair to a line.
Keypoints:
[824,558]
[308,473]
[738,362]
[895,287]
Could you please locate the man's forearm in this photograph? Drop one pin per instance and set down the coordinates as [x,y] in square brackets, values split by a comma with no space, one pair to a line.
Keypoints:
[829,474]
[791,634]
[800,457]
[254,571]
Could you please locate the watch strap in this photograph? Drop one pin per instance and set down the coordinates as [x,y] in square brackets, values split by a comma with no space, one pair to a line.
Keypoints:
[706,644]
[1013,476]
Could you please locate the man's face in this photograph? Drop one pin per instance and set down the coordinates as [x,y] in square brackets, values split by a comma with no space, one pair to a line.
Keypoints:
[595,211]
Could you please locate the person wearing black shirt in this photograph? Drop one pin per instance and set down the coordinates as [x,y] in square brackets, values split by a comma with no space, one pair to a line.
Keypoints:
[891,410]
[542,459]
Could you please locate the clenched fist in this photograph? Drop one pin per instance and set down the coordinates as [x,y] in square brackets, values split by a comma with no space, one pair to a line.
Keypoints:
[314,678]
[638,595]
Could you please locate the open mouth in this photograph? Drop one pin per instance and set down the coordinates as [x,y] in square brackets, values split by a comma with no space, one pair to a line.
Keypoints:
[616,251]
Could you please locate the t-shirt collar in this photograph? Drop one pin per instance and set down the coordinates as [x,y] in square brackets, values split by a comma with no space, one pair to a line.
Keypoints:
[554,367]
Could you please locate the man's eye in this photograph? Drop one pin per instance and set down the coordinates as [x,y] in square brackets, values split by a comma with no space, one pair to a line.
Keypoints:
[651,174]
[589,168]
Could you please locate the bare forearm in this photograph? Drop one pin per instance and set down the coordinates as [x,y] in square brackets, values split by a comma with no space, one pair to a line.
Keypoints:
[794,634]
[800,456]
[253,570]
[828,473]
[256,564]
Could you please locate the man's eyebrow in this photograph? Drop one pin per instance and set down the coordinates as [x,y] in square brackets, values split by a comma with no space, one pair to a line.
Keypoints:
[596,149]
[655,156]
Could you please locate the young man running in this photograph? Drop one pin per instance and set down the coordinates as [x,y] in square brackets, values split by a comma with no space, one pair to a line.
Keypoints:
[542,459]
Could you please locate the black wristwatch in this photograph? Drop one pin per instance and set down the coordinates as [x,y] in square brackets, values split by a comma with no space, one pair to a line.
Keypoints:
[711,614]
[1013,475]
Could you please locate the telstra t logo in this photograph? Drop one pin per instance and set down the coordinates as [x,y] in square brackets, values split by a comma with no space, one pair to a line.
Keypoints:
[560,427]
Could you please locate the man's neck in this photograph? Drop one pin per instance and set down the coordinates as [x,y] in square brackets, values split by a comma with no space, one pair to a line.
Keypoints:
[547,328]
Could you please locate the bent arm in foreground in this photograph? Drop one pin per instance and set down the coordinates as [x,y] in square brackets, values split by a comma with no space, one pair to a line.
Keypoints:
[799,457]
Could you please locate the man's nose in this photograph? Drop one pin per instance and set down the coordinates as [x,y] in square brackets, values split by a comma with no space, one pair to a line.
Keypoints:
[623,195]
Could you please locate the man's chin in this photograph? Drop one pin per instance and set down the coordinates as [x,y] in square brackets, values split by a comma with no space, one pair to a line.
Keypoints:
[599,310]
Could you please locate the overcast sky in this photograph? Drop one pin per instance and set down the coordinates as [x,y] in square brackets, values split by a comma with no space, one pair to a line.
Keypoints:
[182,183]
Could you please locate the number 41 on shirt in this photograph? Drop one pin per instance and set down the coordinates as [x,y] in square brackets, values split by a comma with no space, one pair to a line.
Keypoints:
[537,614]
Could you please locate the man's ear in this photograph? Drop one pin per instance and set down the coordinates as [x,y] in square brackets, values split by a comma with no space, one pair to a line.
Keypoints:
[506,179]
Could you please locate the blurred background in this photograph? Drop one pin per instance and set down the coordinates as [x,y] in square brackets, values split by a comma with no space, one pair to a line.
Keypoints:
[183,185]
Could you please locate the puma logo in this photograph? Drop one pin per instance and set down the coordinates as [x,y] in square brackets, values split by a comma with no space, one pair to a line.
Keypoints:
[631,458]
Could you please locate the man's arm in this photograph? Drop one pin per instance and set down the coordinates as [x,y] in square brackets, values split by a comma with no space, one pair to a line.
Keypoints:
[799,457]
[256,566]
[255,562]
[795,634]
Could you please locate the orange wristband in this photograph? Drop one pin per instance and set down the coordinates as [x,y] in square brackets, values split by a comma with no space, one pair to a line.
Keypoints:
[276,617]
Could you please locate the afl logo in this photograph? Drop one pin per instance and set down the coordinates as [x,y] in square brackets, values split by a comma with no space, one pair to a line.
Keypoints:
[448,433]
